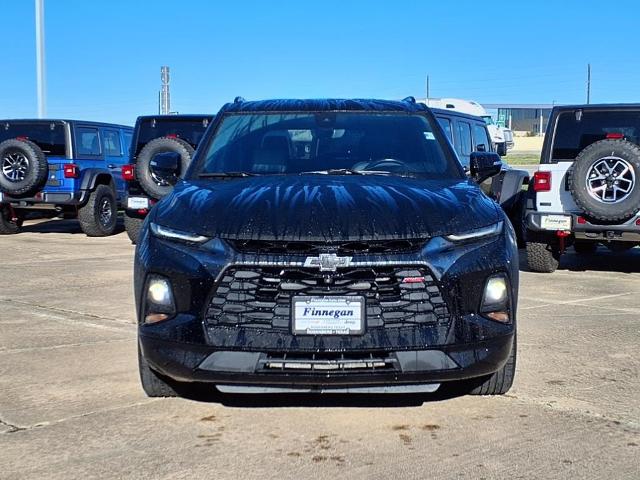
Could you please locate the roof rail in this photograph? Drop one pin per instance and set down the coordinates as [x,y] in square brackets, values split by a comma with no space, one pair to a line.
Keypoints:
[238,99]
[409,99]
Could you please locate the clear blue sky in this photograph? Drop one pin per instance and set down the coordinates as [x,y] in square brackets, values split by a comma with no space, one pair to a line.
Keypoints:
[104,56]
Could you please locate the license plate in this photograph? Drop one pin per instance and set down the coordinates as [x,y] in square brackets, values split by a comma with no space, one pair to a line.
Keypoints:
[137,202]
[556,222]
[328,315]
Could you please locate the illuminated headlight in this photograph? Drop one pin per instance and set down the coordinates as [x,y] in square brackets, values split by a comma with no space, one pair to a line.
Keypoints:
[171,234]
[471,235]
[160,304]
[495,299]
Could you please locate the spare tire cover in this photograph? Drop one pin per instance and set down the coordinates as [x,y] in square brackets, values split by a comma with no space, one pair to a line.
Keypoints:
[23,167]
[605,180]
[151,182]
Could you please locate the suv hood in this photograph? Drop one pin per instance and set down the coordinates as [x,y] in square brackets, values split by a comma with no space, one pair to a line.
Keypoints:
[326,208]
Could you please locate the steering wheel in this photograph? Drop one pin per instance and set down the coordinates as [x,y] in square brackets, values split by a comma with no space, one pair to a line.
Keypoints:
[387,162]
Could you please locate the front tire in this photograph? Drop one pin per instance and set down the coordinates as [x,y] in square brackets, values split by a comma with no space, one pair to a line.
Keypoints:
[99,216]
[500,382]
[542,257]
[9,225]
[133,225]
[152,383]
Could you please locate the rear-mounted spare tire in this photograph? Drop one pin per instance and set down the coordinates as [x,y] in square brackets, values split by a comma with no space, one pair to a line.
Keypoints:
[23,167]
[605,180]
[153,183]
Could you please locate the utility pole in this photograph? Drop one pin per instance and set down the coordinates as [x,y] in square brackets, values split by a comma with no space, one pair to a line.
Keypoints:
[588,83]
[40,73]
[427,102]
[165,96]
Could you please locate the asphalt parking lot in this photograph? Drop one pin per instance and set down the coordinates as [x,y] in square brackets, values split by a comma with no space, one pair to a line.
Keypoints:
[71,405]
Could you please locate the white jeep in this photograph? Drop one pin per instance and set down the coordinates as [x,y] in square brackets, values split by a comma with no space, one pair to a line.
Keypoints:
[587,188]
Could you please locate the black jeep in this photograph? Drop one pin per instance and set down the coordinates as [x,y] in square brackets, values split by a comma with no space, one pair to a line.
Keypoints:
[327,245]
[175,136]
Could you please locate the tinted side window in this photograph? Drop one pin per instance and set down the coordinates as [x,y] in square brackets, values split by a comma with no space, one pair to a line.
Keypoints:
[111,142]
[87,141]
[480,137]
[464,131]
[445,123]
[128,136]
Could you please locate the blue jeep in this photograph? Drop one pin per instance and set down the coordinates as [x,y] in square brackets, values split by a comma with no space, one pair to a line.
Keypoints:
[66,168]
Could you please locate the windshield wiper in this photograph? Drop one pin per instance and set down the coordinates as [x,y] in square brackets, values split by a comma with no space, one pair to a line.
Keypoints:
[346,171]
[225,174]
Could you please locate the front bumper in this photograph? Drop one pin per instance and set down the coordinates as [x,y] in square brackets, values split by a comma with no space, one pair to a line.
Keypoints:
[628,231]
[198,363]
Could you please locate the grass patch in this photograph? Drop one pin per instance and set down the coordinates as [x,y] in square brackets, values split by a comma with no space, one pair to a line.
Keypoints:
[522,159]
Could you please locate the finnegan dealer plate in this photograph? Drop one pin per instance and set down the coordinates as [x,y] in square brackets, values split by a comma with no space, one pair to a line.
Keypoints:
[328,315]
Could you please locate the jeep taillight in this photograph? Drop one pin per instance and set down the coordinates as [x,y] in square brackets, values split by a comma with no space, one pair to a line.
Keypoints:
[542,181]
[71,170]
[128,173]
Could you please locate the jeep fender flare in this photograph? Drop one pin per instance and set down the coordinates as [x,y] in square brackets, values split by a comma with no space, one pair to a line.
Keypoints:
[91,178]
[510,186]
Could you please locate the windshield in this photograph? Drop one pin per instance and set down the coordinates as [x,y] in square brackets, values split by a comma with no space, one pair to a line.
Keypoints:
[190,130]
[49,136]
[293,143]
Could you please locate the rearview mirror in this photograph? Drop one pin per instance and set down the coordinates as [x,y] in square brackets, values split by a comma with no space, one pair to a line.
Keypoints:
[165,167]
[484,165]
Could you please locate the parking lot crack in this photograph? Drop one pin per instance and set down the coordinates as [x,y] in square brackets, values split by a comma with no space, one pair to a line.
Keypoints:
[65,311]
[12,428]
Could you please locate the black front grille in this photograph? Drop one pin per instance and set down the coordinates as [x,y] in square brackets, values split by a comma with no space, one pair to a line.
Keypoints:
[372,247]
[260,297]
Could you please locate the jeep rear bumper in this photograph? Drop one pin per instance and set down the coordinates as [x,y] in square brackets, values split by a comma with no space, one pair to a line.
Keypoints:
[582,229]
[46,200]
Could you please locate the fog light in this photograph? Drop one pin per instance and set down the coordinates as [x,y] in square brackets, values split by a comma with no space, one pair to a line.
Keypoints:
[495,293]
[159,292]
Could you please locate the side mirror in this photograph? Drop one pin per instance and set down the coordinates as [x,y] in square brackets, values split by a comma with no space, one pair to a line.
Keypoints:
[501,148]
[165,167]
[484,165]
[481,148]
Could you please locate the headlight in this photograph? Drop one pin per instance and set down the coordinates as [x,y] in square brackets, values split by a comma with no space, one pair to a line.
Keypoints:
[159,300]
[495,299]
[490,231]
[171,234]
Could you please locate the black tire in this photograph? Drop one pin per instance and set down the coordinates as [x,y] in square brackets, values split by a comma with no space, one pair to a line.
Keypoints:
[542,257]
[23,167]
[594,155]
[94,219]
[9,225]
[500,382]
[585,247]
[154,384]
[133,225]
[150,183]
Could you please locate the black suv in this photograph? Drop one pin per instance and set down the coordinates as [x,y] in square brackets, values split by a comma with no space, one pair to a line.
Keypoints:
[587,188]
[327,245]
[154,135]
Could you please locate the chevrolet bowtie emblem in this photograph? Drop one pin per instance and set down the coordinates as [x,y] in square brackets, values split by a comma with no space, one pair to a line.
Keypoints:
[327,262]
